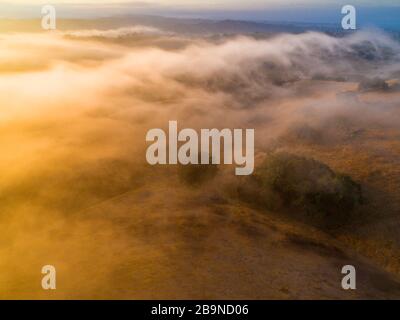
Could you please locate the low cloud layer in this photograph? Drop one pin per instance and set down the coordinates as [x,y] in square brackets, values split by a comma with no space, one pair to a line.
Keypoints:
[43,75]
[116,33]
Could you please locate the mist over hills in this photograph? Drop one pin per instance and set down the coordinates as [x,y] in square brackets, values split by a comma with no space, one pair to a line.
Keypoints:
[76,191]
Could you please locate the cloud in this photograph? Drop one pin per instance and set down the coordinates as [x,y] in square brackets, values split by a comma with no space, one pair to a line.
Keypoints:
[116,33]
[61,75]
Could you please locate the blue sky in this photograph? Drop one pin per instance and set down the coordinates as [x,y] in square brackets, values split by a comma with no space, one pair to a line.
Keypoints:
[383,13]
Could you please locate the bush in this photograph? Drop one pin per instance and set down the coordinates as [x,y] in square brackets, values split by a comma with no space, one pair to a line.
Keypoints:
[375,84]
[304,134]
[305,185]
[197,174]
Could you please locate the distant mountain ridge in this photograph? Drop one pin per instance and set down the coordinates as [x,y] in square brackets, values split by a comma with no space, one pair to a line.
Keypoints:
[176,25]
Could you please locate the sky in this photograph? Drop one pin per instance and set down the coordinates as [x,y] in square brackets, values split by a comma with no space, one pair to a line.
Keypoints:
[224,3]
[381,13]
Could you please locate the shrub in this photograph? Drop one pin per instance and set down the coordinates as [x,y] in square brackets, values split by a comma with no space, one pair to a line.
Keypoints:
[375,84]
[304,185]
[197,174]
